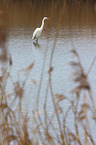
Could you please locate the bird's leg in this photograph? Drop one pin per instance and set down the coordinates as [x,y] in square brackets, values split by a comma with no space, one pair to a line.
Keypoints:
[37,41]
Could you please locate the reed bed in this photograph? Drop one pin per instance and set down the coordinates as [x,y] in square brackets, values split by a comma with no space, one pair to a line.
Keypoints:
[44,1]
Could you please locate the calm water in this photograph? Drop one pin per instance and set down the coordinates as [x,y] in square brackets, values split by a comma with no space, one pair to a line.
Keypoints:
[78,26]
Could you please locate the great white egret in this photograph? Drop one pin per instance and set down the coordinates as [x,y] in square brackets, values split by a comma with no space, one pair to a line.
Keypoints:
[37,32]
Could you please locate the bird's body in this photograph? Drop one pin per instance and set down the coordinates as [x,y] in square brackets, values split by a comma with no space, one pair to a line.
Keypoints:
[37,32]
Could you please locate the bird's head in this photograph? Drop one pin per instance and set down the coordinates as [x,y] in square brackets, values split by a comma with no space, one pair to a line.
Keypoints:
[45,18]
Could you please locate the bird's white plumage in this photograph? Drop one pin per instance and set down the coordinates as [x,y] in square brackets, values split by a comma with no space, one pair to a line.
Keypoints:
[37,32]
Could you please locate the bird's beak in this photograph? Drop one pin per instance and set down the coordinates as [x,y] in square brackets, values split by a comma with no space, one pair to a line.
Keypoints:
[48,18]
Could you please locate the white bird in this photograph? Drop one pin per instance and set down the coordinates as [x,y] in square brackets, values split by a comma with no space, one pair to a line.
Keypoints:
[37,32]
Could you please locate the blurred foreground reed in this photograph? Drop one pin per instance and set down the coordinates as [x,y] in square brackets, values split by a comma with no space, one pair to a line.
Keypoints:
[17,127]
[20,128]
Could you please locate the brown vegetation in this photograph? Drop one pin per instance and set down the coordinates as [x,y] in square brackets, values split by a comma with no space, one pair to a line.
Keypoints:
[19,128]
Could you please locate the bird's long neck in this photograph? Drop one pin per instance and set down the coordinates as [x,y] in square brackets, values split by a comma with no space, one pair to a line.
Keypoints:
[42,24]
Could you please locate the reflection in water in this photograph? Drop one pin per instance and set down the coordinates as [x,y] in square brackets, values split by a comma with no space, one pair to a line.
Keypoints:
[36,45]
